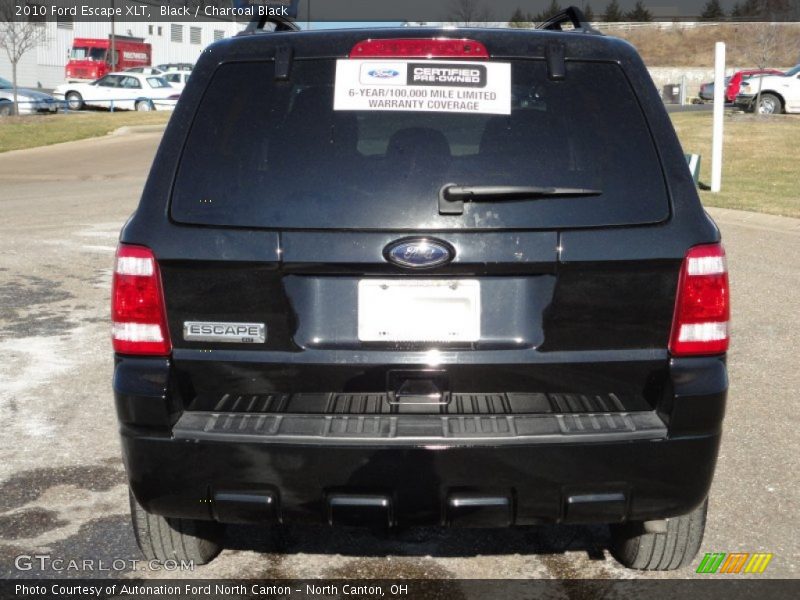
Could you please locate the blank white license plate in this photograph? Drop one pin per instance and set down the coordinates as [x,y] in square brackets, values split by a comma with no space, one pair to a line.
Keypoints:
[391,310]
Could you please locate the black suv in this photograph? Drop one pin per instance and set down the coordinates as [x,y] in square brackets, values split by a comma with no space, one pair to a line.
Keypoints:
[421,277]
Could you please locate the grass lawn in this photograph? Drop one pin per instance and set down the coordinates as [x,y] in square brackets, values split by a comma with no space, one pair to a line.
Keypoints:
[760,160]
[21,132]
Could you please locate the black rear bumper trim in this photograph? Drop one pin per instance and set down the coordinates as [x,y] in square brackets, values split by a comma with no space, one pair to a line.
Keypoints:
[420,429]
[455,403]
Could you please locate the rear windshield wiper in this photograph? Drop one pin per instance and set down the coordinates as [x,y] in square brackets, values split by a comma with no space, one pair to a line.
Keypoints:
[453,196]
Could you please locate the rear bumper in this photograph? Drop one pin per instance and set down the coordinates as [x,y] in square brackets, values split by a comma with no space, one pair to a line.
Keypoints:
[423,469]
[521,484]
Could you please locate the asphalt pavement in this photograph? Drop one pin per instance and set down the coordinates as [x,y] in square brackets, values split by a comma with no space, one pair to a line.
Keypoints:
[62,484]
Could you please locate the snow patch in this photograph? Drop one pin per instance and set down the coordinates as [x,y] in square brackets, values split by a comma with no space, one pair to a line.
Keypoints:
[26,363]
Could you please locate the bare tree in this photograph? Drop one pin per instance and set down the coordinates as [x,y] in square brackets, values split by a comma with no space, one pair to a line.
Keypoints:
[17,38]
[468,12]
[764,42]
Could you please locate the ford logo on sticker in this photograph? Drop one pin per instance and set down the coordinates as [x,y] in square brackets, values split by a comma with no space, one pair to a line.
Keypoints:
[383,73]
[419,253]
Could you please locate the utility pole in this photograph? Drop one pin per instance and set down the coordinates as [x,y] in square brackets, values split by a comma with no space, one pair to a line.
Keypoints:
[113,41]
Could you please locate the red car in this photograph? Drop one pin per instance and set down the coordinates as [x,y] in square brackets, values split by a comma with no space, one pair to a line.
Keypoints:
[736,81]
[733,83]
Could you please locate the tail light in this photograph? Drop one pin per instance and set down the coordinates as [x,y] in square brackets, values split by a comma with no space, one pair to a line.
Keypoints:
[137,304]
[419,48]
[702,304]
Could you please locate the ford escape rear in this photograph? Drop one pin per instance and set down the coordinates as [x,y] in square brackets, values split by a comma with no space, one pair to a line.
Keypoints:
[405,277]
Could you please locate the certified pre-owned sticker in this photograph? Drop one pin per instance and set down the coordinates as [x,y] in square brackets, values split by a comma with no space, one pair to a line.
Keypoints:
[425,86]
[235,333]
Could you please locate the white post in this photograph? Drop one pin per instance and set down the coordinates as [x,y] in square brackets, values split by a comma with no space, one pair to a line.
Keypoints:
[719,111]
[683,89]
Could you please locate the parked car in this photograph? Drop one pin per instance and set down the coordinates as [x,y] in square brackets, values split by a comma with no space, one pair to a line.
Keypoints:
[411,277]
[735,82]
[778,93]
[125,90]
[29,101]
[177,79]
[144,70]
[175,67]
[707,90]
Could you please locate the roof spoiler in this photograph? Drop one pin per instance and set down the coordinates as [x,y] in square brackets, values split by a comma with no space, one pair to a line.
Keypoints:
[258,24]
[280,13]
[572,15]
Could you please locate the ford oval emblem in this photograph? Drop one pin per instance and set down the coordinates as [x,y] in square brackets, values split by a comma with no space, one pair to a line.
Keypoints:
[419,253]
[383,73]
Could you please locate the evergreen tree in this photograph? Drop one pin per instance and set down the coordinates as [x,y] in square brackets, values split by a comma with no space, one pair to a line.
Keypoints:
[588,13]
[779,10]
[550,11]
[639,13]
[751,8]
[613,13]
[519,19]
[712,11]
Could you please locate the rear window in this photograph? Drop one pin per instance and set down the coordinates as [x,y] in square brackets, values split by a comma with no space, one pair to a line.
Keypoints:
[274,154]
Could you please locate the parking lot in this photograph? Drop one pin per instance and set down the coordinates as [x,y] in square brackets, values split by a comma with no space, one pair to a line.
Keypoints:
[62,486]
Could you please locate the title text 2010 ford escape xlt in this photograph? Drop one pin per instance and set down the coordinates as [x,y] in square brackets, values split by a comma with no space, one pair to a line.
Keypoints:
[401,277]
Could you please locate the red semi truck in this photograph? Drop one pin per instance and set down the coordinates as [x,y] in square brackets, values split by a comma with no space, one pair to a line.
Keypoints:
[90,58]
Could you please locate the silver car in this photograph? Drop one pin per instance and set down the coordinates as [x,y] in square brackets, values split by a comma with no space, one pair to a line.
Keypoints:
[29,101]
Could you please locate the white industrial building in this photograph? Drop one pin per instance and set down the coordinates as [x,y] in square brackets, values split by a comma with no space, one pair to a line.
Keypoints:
[171,42]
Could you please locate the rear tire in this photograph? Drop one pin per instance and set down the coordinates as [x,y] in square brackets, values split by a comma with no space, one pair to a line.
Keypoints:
[163,538]
[6,109]
[74,100]
[144,105]
[636,549]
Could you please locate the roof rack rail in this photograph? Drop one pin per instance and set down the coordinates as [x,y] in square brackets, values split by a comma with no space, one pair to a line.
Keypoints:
[258,24]
[572,15]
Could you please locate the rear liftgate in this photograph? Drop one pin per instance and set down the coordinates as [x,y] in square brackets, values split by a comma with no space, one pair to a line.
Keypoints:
[512,350]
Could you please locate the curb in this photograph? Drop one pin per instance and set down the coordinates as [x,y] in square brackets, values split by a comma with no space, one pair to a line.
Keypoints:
[132,129]
[754,220]
[120,132]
